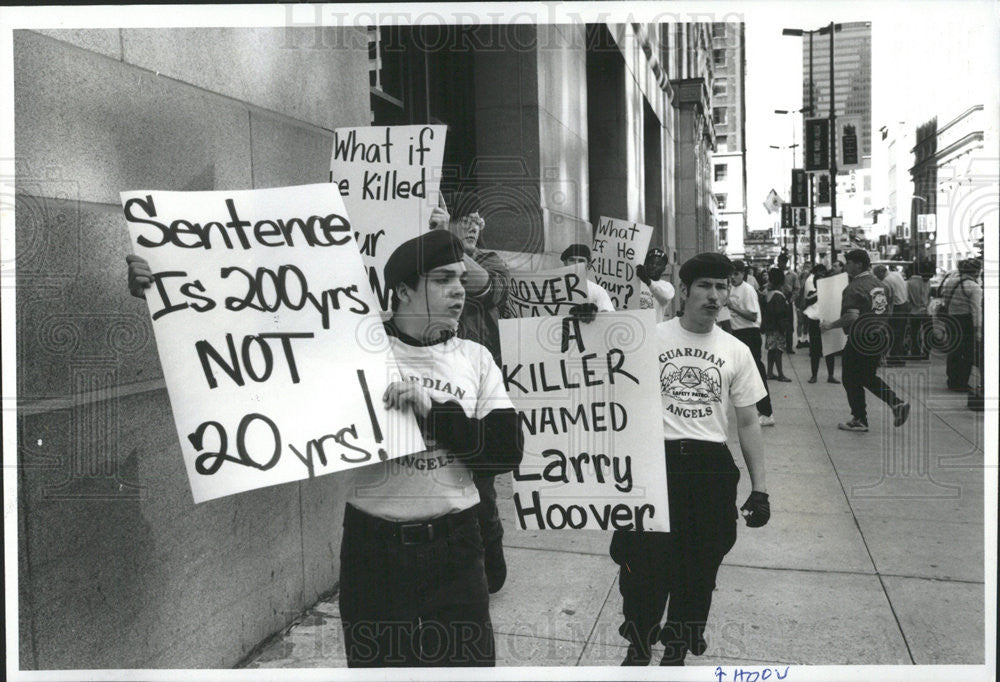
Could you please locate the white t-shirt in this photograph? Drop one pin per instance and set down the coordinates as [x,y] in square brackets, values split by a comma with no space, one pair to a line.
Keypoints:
[598,295]
[745,296]
[700,375]
[431,483]
[657,295]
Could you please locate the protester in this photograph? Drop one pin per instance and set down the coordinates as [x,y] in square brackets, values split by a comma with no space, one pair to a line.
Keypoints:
[802,322]
[918,298]
[962,295]
[752,279]
[776,319]
[811,313]
[836,267]
[899,315]
[654,292]
[864,311]
[681,566]
[413,589]
[790,290]
[596,294]
[744,308]
[486,288]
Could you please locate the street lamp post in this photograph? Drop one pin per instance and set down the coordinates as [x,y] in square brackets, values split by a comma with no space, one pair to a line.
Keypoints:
[809,201]
[831,28]
[914,235]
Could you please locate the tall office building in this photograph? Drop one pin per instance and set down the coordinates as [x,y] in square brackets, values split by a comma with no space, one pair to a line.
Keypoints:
[729,177]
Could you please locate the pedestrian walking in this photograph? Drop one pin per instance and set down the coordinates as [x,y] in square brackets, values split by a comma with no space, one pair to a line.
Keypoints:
[918,298]
[676,571]
[789,289]
[899,312]
[776,320]
[486,287]
[864,310]
[811,312]
[744,309]
[596,294]
[962,295]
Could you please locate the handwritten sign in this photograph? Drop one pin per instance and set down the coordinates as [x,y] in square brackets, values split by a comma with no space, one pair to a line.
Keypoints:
[546,292]
[588,397]
[619,246]
[268,335]
[829,291]
[388,179]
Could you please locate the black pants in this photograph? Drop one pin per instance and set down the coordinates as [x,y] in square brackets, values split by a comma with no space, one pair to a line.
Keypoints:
[680,565]
[897,325]
[751,337]
[963,353]
[490,526]
[816,349]
[860,371]
[412,596]
[920,328]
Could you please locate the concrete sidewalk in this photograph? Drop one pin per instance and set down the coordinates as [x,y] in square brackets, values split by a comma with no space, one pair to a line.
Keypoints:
[874,553]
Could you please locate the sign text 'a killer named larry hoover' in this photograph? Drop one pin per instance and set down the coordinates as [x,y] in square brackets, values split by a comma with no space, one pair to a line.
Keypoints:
[261,307]
[588,399]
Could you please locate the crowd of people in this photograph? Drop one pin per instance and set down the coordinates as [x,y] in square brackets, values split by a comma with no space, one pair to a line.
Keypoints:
[422,545]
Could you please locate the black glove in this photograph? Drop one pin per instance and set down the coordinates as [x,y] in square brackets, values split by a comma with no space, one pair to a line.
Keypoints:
[640,270]
[584,312]
[756,510]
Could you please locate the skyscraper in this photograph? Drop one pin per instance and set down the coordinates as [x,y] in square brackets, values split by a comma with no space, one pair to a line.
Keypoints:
[729,180]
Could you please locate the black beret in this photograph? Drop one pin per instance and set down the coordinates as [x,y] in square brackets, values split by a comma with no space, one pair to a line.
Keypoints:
[576,251]
[655,253]
[708,264]
[420,255]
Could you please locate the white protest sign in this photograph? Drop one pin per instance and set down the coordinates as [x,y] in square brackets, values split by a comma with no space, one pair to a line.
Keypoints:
[619,246]
[829,291]
[271,344]
[546,292]
[388,177]
[588,397]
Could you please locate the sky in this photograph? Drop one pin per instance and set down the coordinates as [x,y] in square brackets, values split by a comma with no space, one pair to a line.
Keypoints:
[928,58]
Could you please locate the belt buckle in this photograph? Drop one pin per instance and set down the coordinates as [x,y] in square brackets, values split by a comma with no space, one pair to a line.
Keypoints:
[406,538]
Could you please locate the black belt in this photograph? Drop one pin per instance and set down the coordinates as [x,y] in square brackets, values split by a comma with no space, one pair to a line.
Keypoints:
[688,446]
[409,532]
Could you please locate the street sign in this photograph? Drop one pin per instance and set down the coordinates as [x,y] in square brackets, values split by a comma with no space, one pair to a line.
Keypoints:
[817,152]
[800,187]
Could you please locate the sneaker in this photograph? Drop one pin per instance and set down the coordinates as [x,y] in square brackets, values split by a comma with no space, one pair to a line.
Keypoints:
[900,413]
[854,425]
[765,420]
[496,567]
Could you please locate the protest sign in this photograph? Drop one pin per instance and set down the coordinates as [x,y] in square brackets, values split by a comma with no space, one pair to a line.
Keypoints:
[546,292]
[388,177]
[619,246]
[588,398]
[829,291]
[269,336]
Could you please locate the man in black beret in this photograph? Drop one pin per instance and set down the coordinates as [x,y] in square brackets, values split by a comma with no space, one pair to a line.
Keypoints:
[413,588]
[702,371]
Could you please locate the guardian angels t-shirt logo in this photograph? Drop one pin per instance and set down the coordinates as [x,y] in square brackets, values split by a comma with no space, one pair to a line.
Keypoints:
[690,385]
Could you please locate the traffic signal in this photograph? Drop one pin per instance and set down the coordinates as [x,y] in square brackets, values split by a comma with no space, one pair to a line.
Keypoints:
[823,190]
[786,216]
[800,187]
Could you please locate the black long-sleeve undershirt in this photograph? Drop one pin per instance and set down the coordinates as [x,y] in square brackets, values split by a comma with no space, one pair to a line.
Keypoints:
[489,446]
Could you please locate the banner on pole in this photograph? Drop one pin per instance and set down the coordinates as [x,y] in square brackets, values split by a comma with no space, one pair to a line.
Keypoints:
[619,246]
[388,177]
[269,336]
[588,398]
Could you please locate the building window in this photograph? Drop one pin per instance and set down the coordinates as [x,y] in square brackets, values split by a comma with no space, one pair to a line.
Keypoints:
[719,56]
[723,233]
[720,172]
[721,144]
[719,87]
[719,116]
[719,30]
[720,199]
